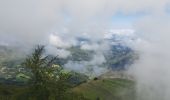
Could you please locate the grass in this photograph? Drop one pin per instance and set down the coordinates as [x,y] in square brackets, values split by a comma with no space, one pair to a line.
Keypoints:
[101,89]
[107,89]
[11,92]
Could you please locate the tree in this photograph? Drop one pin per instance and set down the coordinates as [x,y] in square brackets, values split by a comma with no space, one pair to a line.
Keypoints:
[49,81]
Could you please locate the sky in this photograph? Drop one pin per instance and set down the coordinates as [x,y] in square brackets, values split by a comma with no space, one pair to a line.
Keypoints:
[120,20]
[32,21]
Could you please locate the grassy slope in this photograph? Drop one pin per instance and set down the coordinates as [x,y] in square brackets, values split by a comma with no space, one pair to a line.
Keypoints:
[107,89]
[11,92]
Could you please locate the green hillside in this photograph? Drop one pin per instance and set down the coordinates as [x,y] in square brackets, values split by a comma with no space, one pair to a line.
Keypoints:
[107,89]
[101,89]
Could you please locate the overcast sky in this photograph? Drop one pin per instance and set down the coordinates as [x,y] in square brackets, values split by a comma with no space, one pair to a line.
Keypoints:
[32,21]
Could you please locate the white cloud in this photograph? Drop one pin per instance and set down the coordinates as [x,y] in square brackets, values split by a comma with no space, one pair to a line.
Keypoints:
[31,21]
[58,41]
[152,69]
[61,53]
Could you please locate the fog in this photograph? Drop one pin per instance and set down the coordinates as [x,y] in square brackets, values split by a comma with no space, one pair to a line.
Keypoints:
[152,70]
[32,21]
[57,24]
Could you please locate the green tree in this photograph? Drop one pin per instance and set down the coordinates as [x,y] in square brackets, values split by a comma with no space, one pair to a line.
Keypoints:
[49,81]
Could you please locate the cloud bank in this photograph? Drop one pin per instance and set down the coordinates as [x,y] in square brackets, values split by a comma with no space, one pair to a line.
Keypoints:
[32,21]
[152,69]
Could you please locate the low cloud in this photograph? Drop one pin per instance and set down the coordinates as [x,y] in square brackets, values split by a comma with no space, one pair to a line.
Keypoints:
[151,71]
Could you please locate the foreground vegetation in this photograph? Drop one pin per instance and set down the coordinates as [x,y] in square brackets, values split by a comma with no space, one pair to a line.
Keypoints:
[107,89]
[100,89]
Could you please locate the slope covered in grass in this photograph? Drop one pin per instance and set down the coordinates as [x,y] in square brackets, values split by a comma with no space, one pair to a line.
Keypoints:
[107,89]
[101,89]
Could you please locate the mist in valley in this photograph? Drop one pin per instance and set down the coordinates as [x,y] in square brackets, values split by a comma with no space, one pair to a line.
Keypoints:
[93,28]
